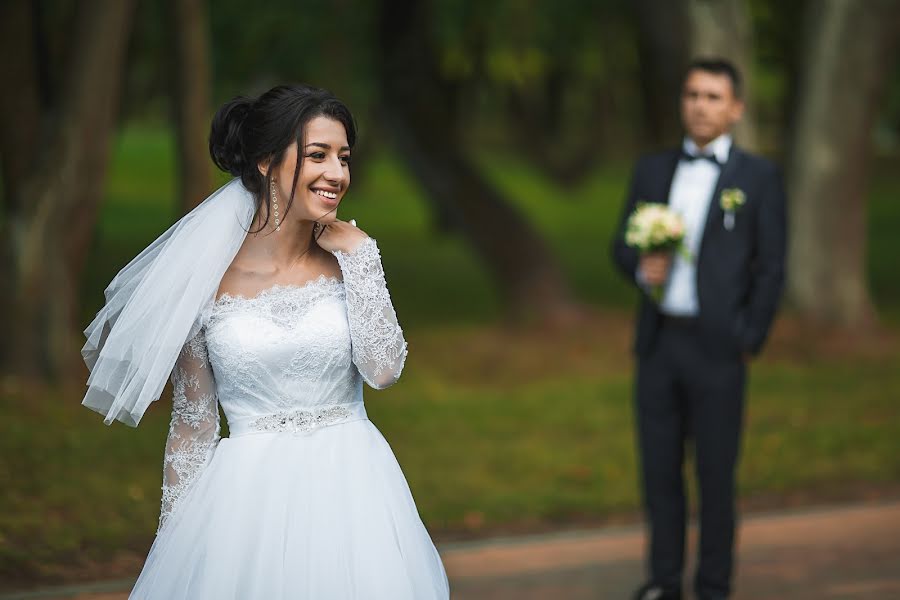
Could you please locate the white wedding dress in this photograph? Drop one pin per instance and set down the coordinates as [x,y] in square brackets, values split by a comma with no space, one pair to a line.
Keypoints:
[304,499]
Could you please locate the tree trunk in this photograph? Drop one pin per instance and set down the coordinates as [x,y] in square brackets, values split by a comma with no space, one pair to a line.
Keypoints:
[535,120]
[422,112]
[663,49]
[722,28]
[58,197]
[20,103]
[791,45]
[19,131]
[838,98]
[190,75]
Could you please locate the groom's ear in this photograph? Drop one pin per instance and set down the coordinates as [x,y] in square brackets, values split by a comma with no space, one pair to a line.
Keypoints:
[737,110]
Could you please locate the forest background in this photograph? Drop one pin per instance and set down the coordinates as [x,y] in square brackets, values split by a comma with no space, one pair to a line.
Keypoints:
[496,143]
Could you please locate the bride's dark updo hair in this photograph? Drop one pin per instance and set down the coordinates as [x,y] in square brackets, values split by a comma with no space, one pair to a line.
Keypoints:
[248,131]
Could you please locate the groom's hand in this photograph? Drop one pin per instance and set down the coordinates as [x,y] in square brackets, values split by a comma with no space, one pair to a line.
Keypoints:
[655,267]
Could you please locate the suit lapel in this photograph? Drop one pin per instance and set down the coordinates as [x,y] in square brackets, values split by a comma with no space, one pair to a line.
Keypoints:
[670,174]
[726,177]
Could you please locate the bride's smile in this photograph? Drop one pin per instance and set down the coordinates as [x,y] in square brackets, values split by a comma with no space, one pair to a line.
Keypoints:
[324,173]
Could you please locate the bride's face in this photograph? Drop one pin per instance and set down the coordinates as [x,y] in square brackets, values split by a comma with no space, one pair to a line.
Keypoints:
[324,172]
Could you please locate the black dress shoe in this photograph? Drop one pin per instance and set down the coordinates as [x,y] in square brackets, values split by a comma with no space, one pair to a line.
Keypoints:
[653,591]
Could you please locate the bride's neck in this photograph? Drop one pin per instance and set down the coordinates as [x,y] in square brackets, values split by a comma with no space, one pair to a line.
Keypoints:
[283,247]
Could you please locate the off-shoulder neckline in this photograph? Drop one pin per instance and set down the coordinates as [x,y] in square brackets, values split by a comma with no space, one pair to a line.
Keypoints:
[279,288]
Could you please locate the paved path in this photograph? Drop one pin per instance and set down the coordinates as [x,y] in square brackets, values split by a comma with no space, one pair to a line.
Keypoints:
[832,553]
[849,552]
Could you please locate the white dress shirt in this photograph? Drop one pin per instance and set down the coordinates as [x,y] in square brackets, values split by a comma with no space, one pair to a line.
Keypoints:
[692,188]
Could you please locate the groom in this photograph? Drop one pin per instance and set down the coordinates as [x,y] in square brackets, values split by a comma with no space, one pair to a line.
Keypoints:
[716,307]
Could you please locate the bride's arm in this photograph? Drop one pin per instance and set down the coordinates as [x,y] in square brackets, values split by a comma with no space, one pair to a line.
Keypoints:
[194,428]
[379,349]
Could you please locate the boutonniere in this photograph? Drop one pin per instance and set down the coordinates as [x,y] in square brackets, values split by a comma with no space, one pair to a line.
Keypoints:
[731,200]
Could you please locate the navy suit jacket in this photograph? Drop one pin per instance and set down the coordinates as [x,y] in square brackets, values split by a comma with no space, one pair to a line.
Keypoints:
[740,272]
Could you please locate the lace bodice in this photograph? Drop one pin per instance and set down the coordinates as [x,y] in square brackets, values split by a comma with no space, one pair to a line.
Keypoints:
[305,348]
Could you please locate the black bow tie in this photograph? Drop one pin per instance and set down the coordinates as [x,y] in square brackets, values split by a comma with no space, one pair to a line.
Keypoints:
[687,156]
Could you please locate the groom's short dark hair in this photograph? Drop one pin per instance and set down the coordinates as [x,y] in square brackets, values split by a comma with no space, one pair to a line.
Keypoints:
[717,66]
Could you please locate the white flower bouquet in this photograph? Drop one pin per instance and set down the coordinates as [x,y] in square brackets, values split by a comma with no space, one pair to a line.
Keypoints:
[654,227]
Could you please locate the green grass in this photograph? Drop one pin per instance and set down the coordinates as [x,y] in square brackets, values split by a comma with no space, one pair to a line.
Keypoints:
[495,429]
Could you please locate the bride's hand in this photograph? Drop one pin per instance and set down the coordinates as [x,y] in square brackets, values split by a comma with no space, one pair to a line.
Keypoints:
[342,236]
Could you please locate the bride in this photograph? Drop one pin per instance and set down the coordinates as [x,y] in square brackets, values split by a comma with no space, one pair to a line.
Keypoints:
[262,303]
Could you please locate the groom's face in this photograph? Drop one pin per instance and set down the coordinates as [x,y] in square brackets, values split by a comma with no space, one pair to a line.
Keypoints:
[709,107]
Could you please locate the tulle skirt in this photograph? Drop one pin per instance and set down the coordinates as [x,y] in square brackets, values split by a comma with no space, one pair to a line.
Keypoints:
[323,515]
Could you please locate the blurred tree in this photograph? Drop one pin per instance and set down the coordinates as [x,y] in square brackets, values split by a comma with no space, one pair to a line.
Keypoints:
[523,58]
[558,66]
[20,108]
[664,48]
[848,52]
[776,70]
[421,110]
[190,78]
[722,28]
[54,163]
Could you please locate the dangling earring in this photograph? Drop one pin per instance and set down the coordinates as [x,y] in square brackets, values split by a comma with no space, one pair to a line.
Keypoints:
[275,207]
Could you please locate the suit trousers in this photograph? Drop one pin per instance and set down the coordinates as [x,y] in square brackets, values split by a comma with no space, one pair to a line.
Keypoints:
[687,392]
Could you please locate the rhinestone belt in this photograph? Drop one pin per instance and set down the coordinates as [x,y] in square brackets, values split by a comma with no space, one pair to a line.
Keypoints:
[299,420]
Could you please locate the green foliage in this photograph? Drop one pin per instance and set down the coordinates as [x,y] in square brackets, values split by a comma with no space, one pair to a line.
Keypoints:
[883,225]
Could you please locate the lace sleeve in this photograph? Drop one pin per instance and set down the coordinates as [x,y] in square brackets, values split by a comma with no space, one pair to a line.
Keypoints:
[379,349]
[194,429]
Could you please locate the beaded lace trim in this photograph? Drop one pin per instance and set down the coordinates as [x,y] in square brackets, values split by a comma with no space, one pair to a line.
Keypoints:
[378,345]
[301,421]
[194,427]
